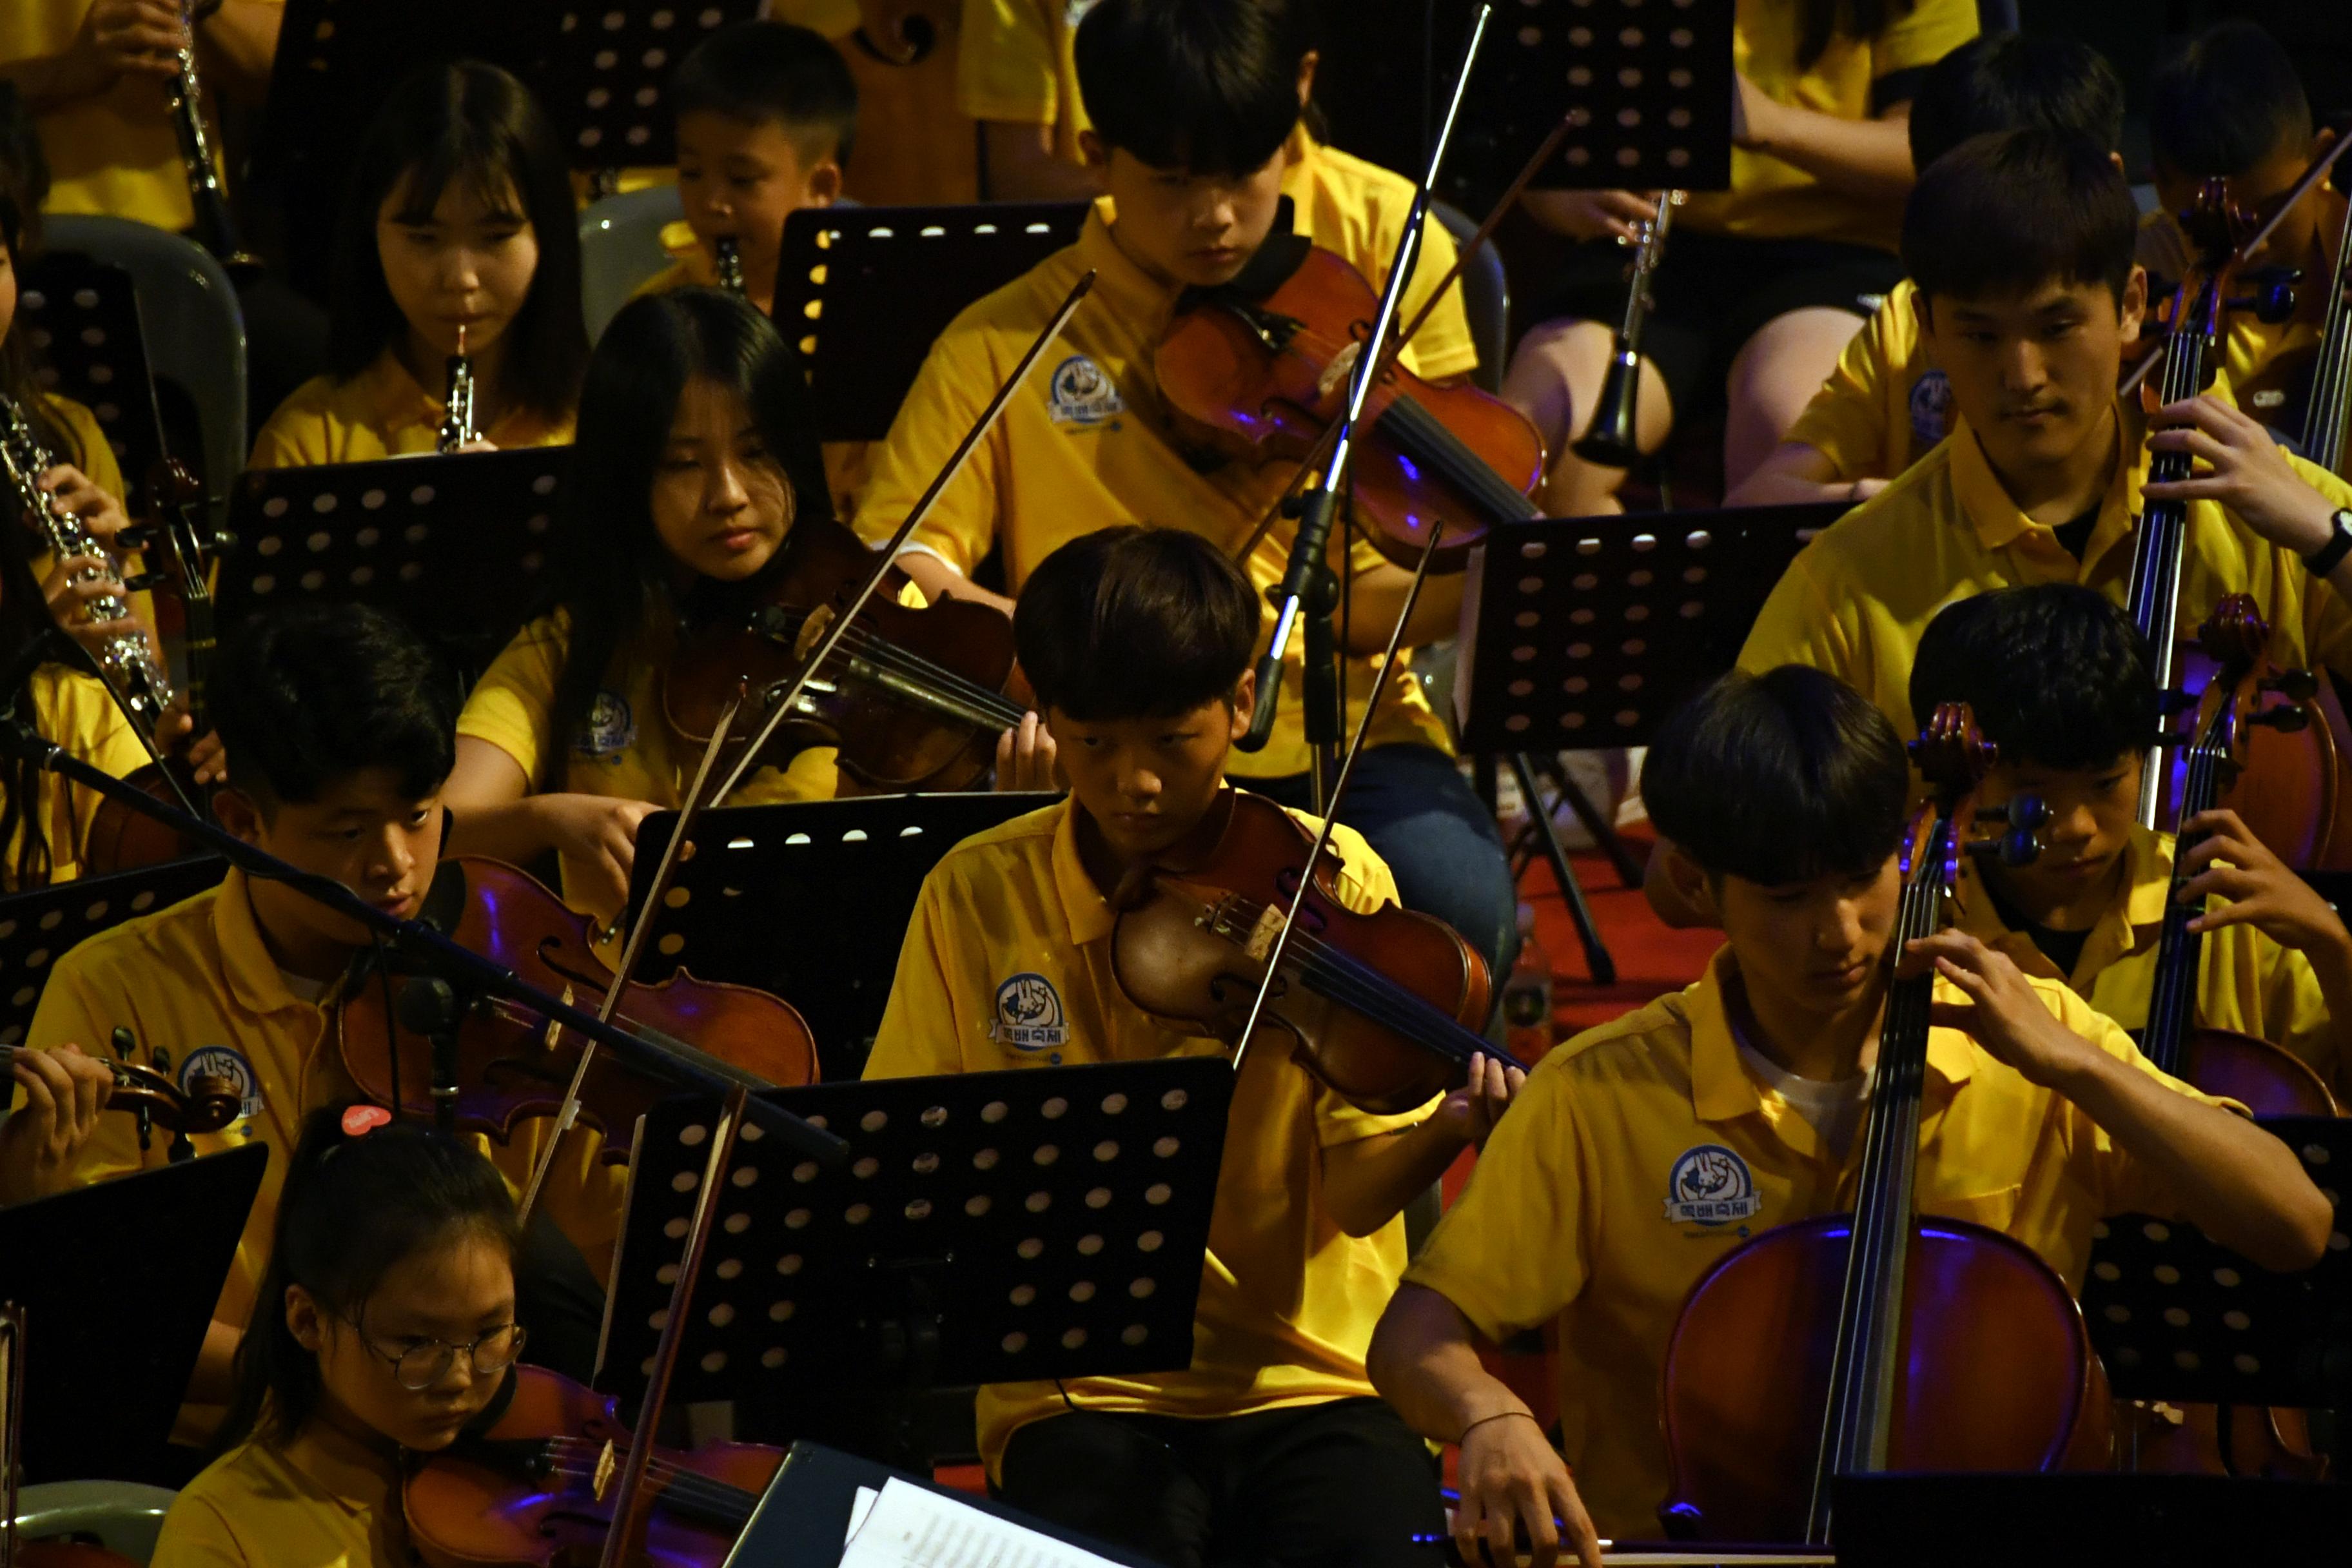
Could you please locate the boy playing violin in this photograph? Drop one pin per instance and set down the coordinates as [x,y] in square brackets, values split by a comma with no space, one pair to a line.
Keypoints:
[1739,1103]
[342,726]
[1197,131]
[2019,245]
[1138,643]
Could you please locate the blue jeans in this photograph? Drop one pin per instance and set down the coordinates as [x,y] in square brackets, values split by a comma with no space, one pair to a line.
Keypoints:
[1418,814]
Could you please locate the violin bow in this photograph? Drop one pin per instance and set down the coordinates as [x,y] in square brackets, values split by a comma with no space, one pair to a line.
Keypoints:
[671,856]
[886,555]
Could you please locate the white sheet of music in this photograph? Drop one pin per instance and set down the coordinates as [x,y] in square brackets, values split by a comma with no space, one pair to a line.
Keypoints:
[910,1526]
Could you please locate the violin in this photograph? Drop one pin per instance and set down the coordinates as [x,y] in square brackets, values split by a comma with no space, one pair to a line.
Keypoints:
[1264,377]
[527,1486]
[1861,1343]
[1384,1009]
[505,1063]
[915,699]
[120,838]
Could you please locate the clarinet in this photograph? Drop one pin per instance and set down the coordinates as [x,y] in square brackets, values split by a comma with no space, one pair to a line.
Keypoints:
[128,658]
[458,401]
[1608,440]
[730,264]
[214,229]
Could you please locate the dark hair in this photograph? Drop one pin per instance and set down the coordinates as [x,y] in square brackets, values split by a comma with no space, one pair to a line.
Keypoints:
[760,71]
[2223,101]
[610,570]
[475,124]
[1779,778]
[306,693]
[2003,213]
[2056,675]
[351,1208]
[1131,622]
[1207,86]
[1819,21]
[2006,81]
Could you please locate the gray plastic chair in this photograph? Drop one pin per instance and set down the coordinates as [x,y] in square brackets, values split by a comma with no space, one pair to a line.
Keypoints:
[1485,297]
[121,1516]
[188,316]
[620,247]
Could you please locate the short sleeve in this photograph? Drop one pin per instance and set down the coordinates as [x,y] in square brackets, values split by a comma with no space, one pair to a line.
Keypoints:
[918,1038]
[195,1533]
[2125,1185]
[949,392]
[1846,420]
[69,1013]
[511,706]
[2294,1017]
[297,434]
[2326,620]
[1797,625]
[1006,64]
[1922,36]
[92,454]
[1516,1247]
[1444,347]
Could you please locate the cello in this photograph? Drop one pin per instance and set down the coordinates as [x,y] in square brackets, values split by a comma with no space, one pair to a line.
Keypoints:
[1856,1343]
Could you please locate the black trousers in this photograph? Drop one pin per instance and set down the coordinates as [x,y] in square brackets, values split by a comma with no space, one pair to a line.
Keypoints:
[1339,1485]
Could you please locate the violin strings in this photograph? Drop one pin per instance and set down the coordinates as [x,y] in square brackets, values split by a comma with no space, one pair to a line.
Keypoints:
[885,653]
[1422,436]
[574,1462]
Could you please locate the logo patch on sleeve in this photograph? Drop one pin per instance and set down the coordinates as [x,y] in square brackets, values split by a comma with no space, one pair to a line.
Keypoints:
[611,728]
[1080,394]
[1710,1186]
[1029,1015]
[1931,408]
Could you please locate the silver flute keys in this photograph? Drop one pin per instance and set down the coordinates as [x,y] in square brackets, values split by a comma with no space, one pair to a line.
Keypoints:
[730,264]
[457,426]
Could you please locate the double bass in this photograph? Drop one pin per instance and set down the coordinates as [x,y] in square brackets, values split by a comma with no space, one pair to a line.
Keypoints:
[1860,1342]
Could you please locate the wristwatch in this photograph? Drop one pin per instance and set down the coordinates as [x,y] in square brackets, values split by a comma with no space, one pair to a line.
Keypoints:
[2324,560]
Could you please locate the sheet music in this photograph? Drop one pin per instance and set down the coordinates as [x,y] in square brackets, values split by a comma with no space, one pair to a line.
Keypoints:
[910,1526]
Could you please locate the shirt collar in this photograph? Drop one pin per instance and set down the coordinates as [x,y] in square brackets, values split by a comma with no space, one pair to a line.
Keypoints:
[2134,920]
[358,1480]
[1997,520]
[1085,911]
[245,963]
[399,404]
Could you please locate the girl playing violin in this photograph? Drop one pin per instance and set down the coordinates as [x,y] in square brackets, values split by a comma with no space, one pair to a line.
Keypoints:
[386,1321]
[459,217]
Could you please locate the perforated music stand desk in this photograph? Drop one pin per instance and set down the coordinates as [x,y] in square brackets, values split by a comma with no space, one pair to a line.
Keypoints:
[809,901]
[2086,1520]
[864,291]
[1650,80]
[2175,1316]
[601,68]
[83,319]
[39,925]
[987,1227]
[119,1281]
[455,544]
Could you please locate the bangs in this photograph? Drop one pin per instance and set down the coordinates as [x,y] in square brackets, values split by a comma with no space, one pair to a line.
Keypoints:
[2003,214]
[491,175]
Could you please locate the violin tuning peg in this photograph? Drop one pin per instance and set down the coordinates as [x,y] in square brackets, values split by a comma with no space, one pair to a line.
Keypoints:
[2024,811]
[2294,685]
[2020,846]
[2286,718]
[125,1043]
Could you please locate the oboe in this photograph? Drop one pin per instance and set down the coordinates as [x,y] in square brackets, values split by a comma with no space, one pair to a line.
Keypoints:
[214,229]
[1609,441]
[128,658]
[458,401]
[730,264]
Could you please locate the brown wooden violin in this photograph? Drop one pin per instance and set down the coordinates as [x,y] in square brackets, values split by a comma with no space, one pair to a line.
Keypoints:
[529,1486]
[1867,1341]
[1264,375]
[209,1104]
[510,1063]
[1384,1008]
[915,699]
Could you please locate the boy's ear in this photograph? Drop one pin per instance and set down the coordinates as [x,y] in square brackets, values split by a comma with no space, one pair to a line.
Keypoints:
[2133,307]
[1092,150]
[1244,702]
[239,813]
[824,184]
[1306,64]
[1679,889]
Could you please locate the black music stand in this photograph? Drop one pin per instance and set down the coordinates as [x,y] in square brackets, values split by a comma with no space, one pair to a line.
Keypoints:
[39,925]
[455,544]
[2178,1316]
[83,317]
[988,1227]
[2083,1520]
[602,70]
[1651,84]
[864,291]
[119,1281]
[808,901]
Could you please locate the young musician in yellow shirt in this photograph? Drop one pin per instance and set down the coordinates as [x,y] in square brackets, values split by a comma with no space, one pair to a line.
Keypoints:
[1642,1152]
[2020,247]
[1197,133]
[386,1320]
[2058,678]
[1763,284]
[1138,643]
[459,213]
[339,722]
[1886,405]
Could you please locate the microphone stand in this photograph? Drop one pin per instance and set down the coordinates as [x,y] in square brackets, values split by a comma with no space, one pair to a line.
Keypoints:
[693,1072]
[1309,593]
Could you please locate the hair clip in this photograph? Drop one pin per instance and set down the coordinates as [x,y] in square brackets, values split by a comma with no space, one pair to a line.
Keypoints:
[361,1120]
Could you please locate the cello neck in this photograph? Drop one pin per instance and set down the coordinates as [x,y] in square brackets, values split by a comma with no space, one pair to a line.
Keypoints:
[2331,377]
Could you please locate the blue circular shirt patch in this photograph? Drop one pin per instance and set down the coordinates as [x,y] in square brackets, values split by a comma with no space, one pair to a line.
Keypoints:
[1710,1186]
[1029,1015]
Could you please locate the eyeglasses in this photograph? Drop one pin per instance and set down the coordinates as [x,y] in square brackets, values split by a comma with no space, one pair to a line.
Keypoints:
[424,1363]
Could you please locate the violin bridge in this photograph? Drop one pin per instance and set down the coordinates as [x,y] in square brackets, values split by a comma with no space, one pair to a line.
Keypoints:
[1263,934]
[555,1031]
[1342,365]
[811,629]
[605,1465]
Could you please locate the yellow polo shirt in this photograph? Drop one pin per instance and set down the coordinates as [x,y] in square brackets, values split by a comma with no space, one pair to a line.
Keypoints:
[114,152]
[1773,199]
[323,1500]
[627,751]
[1085,444]
[379,413]
[198,980]
[1585,1205]
[1287,1299]
[73,710]
[1857,599]
[2245,981]
[1015,66]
